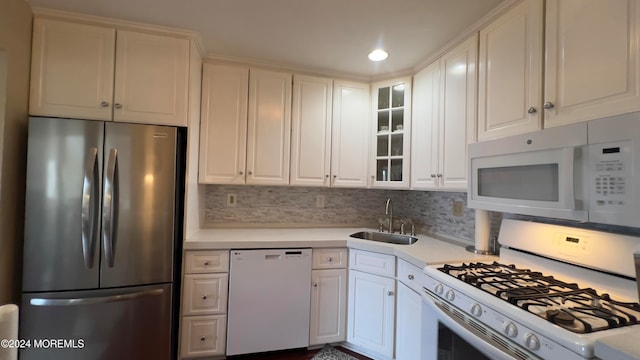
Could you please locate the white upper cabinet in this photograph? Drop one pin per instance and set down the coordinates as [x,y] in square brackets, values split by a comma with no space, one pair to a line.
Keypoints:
[311,131]
[74,67]
[269,128]
[510,73]
[444,119]
[390,149]
[151,79]
[350,134]
[223,124]
[592,59]
[425,137]
[72,70]
[457,113]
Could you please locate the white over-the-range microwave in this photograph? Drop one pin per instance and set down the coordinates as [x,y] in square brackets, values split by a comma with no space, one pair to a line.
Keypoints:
[587,171]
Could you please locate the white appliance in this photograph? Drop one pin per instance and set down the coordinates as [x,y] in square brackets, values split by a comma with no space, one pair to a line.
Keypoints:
[552,294]
[581,172]
[269,300]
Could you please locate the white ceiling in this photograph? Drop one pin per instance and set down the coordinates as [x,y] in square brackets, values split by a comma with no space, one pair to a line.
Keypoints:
[332,36]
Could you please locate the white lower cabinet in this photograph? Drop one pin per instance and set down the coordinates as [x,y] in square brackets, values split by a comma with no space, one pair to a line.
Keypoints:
[408,311]
[371,309]
[328,320]
[204,304]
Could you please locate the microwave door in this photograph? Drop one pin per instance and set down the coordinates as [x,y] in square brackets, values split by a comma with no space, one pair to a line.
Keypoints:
[138,204]
[64,166]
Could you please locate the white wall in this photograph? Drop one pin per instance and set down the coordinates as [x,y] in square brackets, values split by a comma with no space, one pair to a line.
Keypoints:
[15,43]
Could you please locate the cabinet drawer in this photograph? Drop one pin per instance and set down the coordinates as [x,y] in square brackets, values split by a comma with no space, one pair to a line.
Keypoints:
[206,262]
[372,262]
[411,275]
[329,258]
[203,335]
[205,294]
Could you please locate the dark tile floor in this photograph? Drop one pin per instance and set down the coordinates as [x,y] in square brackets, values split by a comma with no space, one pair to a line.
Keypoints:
[295,354]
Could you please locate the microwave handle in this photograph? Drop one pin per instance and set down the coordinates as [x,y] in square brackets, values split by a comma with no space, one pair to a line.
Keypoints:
[567,172]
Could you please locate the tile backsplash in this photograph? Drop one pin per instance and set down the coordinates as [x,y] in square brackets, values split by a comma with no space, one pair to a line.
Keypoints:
[280,206]
[296,206]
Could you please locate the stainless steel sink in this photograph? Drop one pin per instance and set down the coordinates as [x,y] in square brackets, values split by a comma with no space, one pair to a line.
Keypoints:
[385,237]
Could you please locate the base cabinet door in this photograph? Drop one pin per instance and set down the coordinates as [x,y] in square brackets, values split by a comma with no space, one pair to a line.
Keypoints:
[328,306]
[371,312]
[408,323]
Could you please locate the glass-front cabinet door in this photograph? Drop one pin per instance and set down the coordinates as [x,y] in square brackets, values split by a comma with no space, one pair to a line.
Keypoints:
[391,143]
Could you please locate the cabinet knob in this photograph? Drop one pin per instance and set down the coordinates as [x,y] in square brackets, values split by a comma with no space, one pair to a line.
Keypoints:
[117,106]
[315,284]
[439,175]
[203,338]
[390,293]
[532,110]
[104,104]
[330,259]
[410,277]
[204,297]
[250,172]
[433,176]
[548,105]
[206,263]
[241,172]
[327,176]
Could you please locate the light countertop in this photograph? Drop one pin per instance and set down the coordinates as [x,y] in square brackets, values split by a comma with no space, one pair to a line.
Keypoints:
[427,250]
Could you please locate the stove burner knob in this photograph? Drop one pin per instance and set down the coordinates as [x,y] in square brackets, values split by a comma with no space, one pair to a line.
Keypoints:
[450,295]
[439,289]
[476,310]
[532,342]
[510,329]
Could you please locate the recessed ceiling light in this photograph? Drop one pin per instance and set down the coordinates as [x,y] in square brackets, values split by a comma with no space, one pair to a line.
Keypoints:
[378,55]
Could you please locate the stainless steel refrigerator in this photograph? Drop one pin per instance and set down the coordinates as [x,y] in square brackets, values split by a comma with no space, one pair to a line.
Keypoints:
[100,254]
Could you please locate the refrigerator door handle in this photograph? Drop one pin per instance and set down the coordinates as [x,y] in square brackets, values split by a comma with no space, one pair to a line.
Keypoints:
[89,210]
[94,300]
[110,208]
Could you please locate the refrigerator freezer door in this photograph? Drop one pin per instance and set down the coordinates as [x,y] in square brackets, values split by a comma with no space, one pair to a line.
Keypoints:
[124,324]
[138,204]
[64,168]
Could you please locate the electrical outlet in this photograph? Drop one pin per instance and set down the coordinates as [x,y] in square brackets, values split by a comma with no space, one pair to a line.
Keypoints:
[458,208]
[232,200]
[320,201]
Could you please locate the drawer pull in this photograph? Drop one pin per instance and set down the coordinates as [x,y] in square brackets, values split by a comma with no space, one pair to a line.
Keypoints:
[330,259]
[203,338]
[410,277]
[204,297]
[206,263]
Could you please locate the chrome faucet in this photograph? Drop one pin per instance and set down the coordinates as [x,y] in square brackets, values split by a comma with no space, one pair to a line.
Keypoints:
[388,210]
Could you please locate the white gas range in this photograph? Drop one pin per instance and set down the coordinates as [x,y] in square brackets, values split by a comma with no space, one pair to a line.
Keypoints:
[553,293]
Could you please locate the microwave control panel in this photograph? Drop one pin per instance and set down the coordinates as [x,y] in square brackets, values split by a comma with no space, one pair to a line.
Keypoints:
[610,176]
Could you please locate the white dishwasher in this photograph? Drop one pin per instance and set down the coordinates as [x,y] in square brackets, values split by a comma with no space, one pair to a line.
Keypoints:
[269,300]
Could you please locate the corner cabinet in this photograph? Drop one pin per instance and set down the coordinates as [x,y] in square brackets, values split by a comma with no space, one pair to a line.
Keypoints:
[510,73]
[391,148]
[592,60]
[102,73]
[445,117]
[328,322]
[372,297]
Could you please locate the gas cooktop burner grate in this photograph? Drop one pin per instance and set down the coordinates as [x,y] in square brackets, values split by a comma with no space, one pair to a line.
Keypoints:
[580,310]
